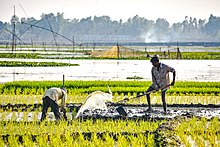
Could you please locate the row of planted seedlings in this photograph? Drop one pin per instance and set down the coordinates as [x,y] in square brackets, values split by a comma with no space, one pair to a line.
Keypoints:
[29,94]
[191,131]
[199,132]
[187,132]
[81,133]
[93,132]
[33,64]
[33,103]
[77,132]
[19,101]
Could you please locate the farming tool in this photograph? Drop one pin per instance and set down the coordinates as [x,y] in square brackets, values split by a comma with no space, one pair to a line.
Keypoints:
[122,111]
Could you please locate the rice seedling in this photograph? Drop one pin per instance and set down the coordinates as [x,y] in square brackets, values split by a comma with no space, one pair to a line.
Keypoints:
[122,132]
[202,132]
[57,133]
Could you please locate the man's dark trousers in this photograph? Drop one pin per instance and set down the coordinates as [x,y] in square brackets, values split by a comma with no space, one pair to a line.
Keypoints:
[48,102]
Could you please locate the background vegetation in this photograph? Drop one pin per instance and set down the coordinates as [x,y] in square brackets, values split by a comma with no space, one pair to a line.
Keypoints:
[54,28]
[135,55]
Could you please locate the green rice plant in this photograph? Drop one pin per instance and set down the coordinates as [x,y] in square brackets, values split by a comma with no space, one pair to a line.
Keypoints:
[25,116]
[55,140]
[42,140]
[19,55]
[80,140]
[193,100]
[2,142]
[201,132]
[109,140]
[78,126]
[122,141]
[20,99]
[80,98]
[13,141]
[74,87]
[27,141]
[150,139]
[67,139]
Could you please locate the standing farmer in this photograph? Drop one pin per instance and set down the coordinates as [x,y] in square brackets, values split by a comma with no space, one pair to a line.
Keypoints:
[50,99]
[160,79]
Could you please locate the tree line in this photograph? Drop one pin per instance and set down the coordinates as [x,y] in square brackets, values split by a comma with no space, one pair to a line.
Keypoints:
[53,28]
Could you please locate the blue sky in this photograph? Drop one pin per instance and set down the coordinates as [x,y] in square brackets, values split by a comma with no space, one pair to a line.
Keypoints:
[172,10]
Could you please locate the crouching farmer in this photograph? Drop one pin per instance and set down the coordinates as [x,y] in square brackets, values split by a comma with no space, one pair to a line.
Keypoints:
[51,98]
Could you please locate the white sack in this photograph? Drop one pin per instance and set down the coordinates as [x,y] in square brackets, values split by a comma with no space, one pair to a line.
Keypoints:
[95,100]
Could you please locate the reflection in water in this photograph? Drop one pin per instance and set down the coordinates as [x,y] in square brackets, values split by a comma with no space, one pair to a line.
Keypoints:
[190,70]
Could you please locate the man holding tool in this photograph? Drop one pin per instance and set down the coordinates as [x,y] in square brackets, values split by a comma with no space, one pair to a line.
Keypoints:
[161,80]
[50,99]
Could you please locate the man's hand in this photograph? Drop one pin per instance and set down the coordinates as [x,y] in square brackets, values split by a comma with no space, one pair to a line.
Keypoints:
[172,84]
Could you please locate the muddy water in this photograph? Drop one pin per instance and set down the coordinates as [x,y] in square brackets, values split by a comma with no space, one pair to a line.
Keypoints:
[187,70]
[132,113]
[157,113]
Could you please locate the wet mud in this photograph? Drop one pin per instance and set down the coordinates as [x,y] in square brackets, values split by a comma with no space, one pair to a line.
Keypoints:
[140,111]
[164,135]
[115,111]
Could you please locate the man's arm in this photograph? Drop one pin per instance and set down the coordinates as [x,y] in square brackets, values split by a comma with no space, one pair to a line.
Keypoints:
[63,105]
[174,78]
[63,101]
[171,69]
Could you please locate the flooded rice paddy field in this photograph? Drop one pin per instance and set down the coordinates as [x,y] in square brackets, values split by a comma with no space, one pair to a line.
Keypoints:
[163,135]
[133,111]
[187,70]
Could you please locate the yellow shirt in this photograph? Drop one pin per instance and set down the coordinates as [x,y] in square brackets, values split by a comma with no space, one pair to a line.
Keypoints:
[57,94]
